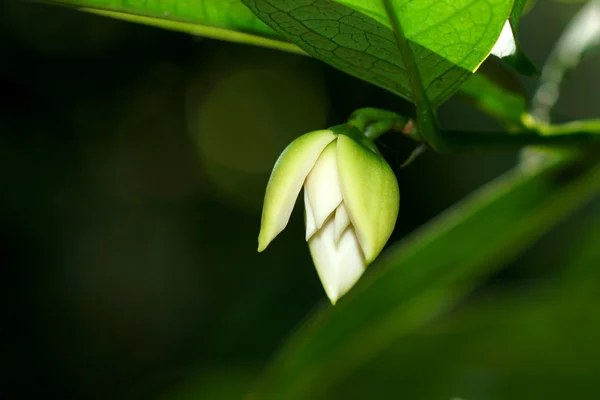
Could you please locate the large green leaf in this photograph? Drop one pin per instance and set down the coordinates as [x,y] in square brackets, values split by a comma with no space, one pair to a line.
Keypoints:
[218,19]
[430,270]
[448,41]
[518,347]
[227,20]
[581,281]
[217,382]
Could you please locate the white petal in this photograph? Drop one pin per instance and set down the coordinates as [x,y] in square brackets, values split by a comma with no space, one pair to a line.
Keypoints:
[323,185]
[287,178]
[505,45]
[339,265]
[342,221]
[309,217]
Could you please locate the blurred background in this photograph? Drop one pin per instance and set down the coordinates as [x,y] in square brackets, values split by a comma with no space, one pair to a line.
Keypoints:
[133,162]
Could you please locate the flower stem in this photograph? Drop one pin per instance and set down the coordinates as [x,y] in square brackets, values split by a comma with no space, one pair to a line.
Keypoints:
[426,120]
[465,141]
[373,122]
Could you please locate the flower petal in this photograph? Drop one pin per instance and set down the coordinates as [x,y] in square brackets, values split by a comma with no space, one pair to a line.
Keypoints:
[342,221]
[371,194]
[309,217]
[287,178]
[339,265]
[323,185]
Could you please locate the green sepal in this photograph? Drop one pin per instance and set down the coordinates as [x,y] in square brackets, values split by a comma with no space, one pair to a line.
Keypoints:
[371,194]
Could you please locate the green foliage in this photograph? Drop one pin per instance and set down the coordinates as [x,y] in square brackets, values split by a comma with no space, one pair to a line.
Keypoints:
[581,282]
[363,45]
[405,315]
[357,37]
[519,60]
[422,276]
[219,19]
[520,346]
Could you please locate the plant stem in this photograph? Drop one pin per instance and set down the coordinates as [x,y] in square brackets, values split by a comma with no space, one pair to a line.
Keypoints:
[426,120]
[373,122]
[468,141]
[576,133]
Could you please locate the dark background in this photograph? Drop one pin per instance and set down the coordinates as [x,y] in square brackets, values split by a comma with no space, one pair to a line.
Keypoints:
[132,165]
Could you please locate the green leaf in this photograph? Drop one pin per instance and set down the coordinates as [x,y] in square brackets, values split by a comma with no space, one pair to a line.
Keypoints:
[216,382]
[515,15]
[572,1]
[371,194]
[518,59]
[511,346]
[229,20]
[218,19]
[356,37]
[498,93]
[582,273]
[424,274]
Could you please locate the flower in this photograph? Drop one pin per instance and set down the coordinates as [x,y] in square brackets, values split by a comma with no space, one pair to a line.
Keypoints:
[351,201]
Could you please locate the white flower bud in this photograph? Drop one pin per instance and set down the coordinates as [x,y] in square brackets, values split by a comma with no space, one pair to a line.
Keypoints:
[351,199]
